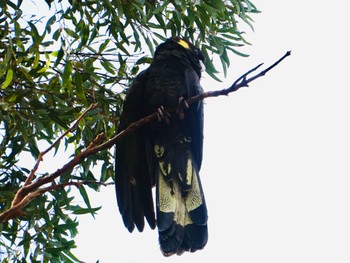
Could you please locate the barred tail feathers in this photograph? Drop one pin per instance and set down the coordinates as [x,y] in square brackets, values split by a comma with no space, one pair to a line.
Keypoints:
[181,209]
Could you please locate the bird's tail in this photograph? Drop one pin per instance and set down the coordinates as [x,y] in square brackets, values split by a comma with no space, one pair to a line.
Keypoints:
[181,209]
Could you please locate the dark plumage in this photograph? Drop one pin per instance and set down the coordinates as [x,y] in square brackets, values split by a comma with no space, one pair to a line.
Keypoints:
[167,155]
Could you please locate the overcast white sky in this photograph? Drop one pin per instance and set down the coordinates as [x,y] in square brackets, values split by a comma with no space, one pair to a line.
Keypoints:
[276,155]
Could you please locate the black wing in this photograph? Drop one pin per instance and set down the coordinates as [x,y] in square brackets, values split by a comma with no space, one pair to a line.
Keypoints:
[133,168]
[195,115]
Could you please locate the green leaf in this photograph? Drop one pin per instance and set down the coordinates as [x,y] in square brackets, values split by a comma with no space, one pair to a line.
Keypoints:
[150,45]
[209,10]
[59,55]
[71,33]
[57,34]
[122,48]
[218,5]
[160,20]
[34,150]
[70,225]
[122,67]
[86,198]
[34,33]
[81,211]
[56,119]
[237,52]
[144,60]
[66,76]
[8,79]
[137,38]
[108,66]
[69,257]
[218,44]
[103,46]
[49,23]
[36,59]
[84,35]
[212,74]
[78,81]
[26,242]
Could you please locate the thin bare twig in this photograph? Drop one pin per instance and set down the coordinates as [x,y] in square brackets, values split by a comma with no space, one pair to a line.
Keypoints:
[241,82]
[32,189]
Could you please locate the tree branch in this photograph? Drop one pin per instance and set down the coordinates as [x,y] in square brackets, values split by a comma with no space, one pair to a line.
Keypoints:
[16,209]
[41,154]
[31,190]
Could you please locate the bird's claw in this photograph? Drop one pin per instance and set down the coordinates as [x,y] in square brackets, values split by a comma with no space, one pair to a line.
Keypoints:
[163,115]
[182,107]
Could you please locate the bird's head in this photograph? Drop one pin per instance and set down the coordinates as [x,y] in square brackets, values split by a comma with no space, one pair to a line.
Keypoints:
[183,49]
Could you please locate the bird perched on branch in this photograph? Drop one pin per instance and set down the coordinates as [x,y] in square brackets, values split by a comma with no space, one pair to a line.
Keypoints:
[166,154]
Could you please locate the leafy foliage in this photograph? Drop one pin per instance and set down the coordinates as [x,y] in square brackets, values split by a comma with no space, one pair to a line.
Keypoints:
[53,67]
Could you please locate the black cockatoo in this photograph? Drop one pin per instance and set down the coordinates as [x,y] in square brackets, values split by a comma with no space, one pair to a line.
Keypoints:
[166,154]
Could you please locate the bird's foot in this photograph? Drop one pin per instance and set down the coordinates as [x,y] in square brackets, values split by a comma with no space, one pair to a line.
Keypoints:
[163,115]
[182,107]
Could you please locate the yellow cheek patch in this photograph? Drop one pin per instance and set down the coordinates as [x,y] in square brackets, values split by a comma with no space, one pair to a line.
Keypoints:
[184,44]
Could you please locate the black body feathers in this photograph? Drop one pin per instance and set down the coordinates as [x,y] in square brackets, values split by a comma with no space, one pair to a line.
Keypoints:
[165,155]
